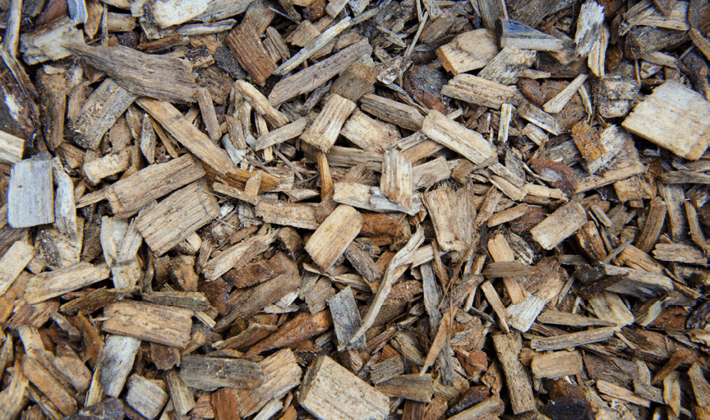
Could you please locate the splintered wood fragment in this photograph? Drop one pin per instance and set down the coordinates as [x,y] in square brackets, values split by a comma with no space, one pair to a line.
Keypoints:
[588,142]
[507,269]
[209,373]
[638,283]
[324,130]
[47,42]
[556,104]
[238,255]
[160,324]
[188,135]
[318,74]
[490,408]
[456,137]
[621,393]
[190,300]
[111,164]
[131,194]
[30,194]
[100,113]
[393,272]
[281,374]
[700,41]
[209,117]
[508,347]
[357,80]
[368,133]
[155,76]
[64,202]
[116,363]
[316,44]
[508,215]
[250,301]
[334,235]
[356,399]
[560,225]
[302,327]
[244,42]
[701,388]
[508,65]
[261,104]
[412,387]
[180,394]
[428,174]
[363,263]
[396,180]
[394,112]
[49,385]
[11,148]
[589,27]
[498,307]
[609,307]
[540,118]
[571,320]
[169,222]
[346,320]
[696,231]
[519,35]
[566,341]
[13,262]
[282,134]
[679,253]
[299,215]
[448,235]
[674,117]
[146,396]
[55,283]
[468,51]
[479,91]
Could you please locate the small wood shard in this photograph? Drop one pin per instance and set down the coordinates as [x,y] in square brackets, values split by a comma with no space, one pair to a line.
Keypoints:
[334,235]
[165,325]
[508,348]
[396,182]
[357,399]
[456,137]
[324,130]
[571,340]
[460,56]
[210,373]
[689,112]
[30,195]
[346,319]
[519,35]
[560,225]
[55,283]
[479,91]
[246,46]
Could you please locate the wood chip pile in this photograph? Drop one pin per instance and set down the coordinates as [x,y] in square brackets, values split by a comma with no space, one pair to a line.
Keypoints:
[354,209]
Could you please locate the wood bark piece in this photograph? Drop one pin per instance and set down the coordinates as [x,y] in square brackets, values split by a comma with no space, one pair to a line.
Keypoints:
[519,35]
[560,225]
[209,373]
[238,255]
[48,385]
[55,283]
[160,324]
[355,398]
[318,74]
[281,374]
[250,301]
[146,396]
[508,347]
[479,91]
[346,320]
[282,134]
[324,130]
[246,46]
[334,235]
[571,340]
[369,134]
[13,262]
[172,220]
[396,181]
[131,194]
[196,141]
[142,74]
[468,51]
[30,195]
[394,112]
[302,327]
[673,117]
[116,363]
[456,137]
[357,80]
